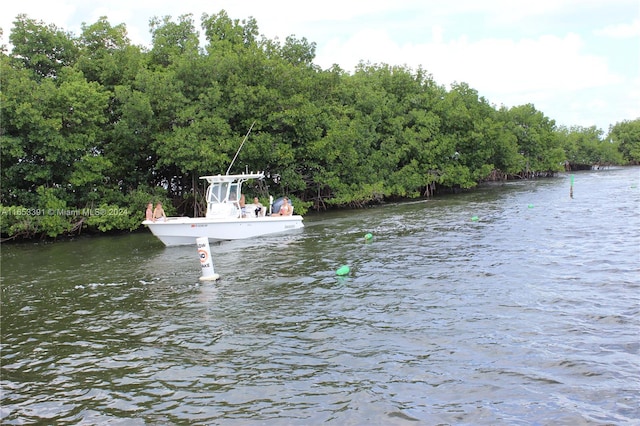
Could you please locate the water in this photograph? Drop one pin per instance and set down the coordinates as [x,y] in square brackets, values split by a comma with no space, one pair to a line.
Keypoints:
[529,315]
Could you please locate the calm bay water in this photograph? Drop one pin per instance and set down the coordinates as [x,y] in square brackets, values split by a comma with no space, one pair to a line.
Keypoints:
[529,315]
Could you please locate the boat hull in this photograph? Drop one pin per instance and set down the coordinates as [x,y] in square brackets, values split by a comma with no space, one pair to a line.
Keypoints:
[178,231]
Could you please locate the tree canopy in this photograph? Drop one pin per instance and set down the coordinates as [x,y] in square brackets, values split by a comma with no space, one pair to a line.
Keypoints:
[93,127]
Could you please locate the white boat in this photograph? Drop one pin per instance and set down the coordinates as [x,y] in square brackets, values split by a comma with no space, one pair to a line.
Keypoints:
[224,219]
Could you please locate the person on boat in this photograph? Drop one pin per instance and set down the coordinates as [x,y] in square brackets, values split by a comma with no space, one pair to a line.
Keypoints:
[258,206]
[243,207]
[158,213]
[149,212]
[285,209]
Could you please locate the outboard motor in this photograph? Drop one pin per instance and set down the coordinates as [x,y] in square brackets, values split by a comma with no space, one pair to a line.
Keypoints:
[276,205]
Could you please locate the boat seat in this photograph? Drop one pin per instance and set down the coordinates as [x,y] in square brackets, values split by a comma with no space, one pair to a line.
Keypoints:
[251,210]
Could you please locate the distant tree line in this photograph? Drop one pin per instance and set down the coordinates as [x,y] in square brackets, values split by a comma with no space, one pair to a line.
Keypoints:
[93,127]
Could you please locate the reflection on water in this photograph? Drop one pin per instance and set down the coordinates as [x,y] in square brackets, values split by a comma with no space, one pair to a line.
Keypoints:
[528,316]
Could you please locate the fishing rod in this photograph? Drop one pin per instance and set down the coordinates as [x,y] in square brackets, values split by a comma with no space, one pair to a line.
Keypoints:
[238,151]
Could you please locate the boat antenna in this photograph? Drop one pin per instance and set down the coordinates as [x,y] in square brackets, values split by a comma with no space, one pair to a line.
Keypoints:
[238,151]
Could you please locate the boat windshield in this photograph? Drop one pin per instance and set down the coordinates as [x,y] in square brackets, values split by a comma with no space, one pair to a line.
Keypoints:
[234,191]
[218,192]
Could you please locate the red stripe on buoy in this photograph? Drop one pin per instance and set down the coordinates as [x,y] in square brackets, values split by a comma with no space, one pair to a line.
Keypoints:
[203,255]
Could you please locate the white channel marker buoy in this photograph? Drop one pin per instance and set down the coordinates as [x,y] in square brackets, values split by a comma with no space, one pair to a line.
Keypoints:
[204,253]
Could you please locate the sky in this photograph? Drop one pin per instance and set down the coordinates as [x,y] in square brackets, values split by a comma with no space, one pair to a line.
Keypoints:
[576,61]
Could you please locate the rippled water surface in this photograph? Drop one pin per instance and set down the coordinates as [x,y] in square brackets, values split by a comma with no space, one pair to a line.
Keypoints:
[529,315]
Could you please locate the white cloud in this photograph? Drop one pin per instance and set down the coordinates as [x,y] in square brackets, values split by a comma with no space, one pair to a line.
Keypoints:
[501,65]
[60,15]
[622,30]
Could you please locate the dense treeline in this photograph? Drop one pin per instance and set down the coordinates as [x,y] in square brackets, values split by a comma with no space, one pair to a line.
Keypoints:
[93,127]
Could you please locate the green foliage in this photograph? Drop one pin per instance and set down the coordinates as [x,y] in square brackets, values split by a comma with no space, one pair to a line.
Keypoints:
[172,42]
[18,221]
[43,49]
[93,128]
[57,217]
[49,216]
[537,139]
[107,217]
[626,135]
[585,146]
